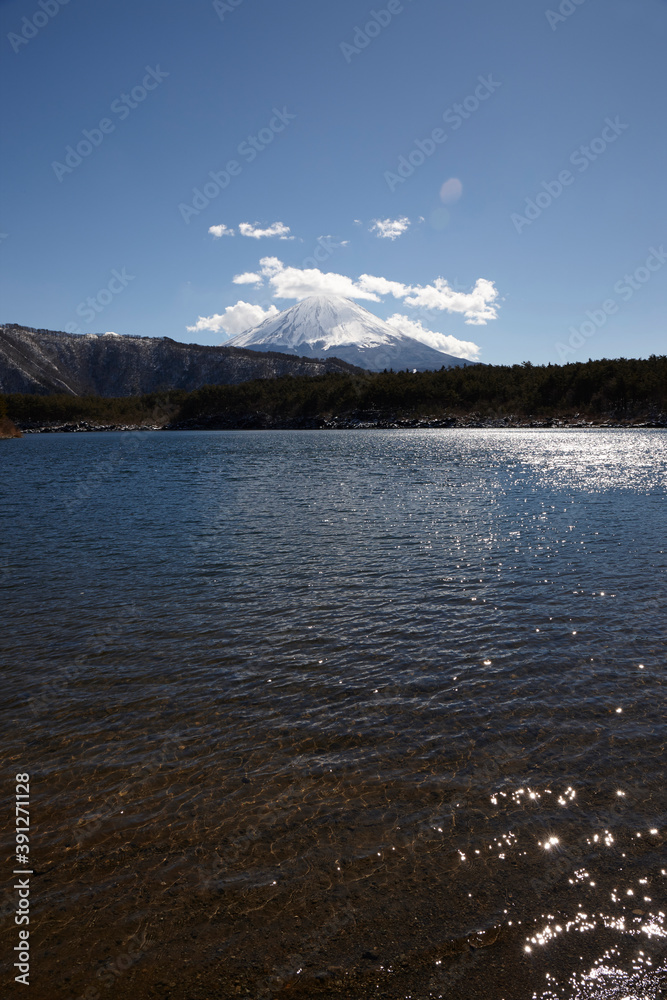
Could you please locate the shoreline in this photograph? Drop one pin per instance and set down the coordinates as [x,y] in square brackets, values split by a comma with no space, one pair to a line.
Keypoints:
[263,422]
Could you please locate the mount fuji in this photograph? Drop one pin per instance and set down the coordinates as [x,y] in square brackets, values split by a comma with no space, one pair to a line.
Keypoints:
[332,326]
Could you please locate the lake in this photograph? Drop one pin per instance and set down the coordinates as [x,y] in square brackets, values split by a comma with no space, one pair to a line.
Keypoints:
[339,714]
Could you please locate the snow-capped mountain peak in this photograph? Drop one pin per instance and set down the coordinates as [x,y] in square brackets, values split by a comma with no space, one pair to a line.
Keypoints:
[324,325]
[328,320]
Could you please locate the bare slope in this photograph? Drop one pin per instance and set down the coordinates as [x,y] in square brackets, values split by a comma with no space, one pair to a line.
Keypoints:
[43,361]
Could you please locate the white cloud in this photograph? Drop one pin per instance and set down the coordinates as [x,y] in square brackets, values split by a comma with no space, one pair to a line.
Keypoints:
[271,265]
[235,319]
[221,230]
[255,232]
[390,229]
[248,278]
[382,286]
[299,283]
[439,341]
[477,306]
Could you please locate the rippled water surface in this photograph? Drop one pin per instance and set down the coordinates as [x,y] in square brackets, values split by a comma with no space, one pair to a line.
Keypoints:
[339,714]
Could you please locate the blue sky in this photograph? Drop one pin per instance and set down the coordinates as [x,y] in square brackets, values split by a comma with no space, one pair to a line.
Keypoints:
[337,109]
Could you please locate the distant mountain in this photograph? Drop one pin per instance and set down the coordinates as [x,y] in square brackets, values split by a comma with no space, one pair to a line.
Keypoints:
[43,361]
[328,325]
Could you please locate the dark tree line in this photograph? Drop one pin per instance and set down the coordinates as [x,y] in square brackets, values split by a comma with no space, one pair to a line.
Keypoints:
[619,389]
[39,409]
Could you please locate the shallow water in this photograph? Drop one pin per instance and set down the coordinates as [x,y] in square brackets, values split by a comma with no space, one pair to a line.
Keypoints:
[339,714]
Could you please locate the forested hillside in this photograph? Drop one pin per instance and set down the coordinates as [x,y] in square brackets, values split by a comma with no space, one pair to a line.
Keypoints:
[622,390]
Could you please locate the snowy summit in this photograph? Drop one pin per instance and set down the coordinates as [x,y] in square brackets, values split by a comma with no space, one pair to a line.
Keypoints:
[330,325]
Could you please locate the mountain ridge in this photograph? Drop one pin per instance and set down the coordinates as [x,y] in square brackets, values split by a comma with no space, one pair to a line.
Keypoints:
[49,361]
